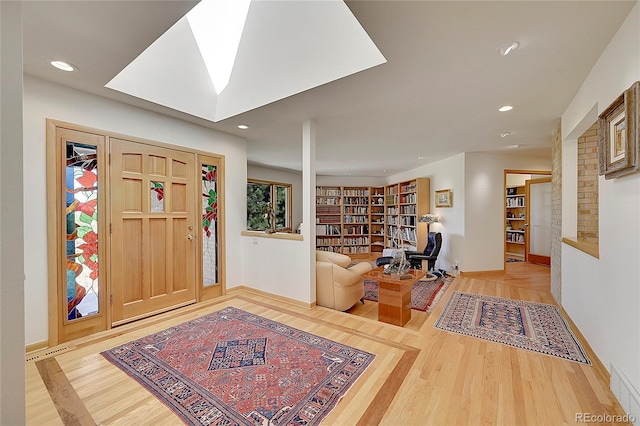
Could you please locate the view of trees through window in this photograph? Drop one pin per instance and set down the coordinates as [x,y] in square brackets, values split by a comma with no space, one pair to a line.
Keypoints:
[261,194]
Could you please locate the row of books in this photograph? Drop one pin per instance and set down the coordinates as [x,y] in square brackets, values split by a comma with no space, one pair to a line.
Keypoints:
[328,230]
[328,201]
[355,210]
[328,191]
[322,210]
[357,240]
[357,192]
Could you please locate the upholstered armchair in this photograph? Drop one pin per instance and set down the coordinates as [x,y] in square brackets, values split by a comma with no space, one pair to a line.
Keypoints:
[337,286]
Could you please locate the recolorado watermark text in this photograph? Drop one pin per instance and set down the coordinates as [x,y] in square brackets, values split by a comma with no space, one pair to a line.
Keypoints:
[604,418]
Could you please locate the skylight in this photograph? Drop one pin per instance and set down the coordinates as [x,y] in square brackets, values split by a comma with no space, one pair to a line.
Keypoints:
[217,27]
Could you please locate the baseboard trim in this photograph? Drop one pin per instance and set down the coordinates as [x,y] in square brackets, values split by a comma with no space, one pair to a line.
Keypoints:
[36,346]
[272,296]
[482,273]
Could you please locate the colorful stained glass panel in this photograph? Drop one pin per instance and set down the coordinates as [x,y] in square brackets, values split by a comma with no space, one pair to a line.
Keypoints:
[157,196]
[209,225]
[81,249]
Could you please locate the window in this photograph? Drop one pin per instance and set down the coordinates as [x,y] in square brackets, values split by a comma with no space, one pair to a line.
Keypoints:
[262,193]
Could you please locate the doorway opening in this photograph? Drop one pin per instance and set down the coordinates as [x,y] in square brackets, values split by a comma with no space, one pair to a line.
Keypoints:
[527,216]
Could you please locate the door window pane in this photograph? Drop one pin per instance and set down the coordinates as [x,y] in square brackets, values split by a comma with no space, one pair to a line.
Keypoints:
[157,196]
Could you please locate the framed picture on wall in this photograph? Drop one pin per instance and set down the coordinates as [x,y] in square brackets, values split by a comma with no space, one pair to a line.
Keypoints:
[443,198]
[618,138]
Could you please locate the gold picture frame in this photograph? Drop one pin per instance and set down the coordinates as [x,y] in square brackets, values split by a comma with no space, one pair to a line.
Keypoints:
[443,198]
[618,138]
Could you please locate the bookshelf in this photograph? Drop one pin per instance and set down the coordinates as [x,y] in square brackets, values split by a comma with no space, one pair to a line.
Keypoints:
[329,219]
[515,215]
[358,221]
[376,222]
[355,220]
[405,202]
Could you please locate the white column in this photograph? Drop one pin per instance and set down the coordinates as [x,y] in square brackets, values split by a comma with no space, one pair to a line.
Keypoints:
[309,199]
[12,387]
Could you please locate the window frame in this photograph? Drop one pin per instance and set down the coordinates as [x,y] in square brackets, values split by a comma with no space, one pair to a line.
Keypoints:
[273,192]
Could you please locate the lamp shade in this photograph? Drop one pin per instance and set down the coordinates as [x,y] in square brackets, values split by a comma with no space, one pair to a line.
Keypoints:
[429,218]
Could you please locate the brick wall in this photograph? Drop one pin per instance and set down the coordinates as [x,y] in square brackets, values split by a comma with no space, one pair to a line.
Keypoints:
[556,215]
[588,185]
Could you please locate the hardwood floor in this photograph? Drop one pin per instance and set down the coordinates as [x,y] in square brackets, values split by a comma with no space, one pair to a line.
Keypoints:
[421,375]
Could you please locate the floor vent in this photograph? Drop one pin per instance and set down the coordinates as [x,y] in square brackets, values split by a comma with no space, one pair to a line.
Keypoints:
[627,396]
[47,353]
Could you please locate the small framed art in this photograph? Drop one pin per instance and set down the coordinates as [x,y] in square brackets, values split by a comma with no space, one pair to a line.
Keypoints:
[618,138]
[443,198]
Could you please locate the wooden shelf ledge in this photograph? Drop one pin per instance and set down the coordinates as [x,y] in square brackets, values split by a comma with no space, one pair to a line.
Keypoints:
[592,249]
[277,235]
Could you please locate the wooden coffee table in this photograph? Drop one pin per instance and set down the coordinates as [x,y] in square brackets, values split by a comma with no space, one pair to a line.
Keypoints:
[394,294]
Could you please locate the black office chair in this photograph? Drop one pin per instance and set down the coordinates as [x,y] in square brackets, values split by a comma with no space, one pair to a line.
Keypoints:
[430,252]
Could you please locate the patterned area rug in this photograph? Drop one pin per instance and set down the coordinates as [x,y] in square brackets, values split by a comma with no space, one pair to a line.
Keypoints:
[234,367]
[533,326]
[424,294]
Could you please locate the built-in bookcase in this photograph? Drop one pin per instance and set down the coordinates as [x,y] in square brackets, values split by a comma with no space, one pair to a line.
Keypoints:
[329,218]
[405,203]
[515,235]
[358,221]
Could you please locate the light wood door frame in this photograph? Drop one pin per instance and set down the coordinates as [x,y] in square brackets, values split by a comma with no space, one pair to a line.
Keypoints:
[56,234]
[61,329]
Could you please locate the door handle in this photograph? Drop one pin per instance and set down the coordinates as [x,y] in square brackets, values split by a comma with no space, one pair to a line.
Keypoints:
[189,237]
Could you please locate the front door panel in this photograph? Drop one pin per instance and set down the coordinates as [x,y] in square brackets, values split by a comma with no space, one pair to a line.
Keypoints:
[153,229]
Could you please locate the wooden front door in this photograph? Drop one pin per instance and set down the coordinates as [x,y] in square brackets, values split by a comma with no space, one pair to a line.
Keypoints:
[153,229]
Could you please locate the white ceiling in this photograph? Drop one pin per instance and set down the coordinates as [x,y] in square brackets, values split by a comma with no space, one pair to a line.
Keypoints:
[436,96]
[286,48]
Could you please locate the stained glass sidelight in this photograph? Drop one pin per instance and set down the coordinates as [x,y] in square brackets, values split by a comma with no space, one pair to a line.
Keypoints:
[209,225]
[81,211]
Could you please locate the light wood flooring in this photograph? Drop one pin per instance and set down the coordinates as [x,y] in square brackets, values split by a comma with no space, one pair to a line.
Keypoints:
[421,375]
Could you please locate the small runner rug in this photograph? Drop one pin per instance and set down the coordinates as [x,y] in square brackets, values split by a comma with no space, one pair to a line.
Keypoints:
[533,326]
[424,294]
[234,367]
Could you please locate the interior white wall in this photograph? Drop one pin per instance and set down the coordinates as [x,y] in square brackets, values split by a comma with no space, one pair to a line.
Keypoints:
[350,181]
[255,171]
[46,100]
[287,267]
[473,229]
[444,174]
[602,295]
[484,206]
[517,179]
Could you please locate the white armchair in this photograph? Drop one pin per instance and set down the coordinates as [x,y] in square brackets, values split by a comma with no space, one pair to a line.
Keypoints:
[337,286]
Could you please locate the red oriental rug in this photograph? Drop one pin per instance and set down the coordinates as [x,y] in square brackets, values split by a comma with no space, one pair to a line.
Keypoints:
[234,367]
[424,294]
[537,327]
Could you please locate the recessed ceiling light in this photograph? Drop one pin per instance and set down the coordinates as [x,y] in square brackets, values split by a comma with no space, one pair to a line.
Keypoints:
[385,170]
[505,108]
[508,48]
[514,146]
[420,157]
[243,126]
[64,66]
[504,134]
